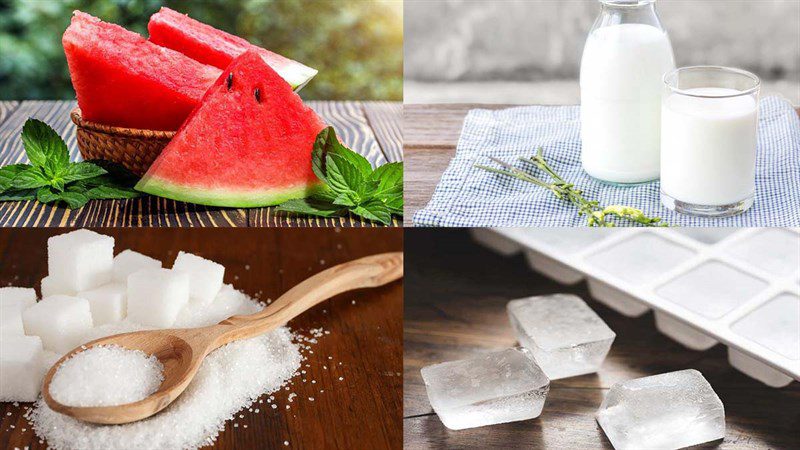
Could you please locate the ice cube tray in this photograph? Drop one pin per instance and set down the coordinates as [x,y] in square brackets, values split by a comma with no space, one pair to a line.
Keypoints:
[738,287]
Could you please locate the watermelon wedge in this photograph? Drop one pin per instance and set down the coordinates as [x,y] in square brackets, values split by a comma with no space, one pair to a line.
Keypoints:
[248,144]
[209,45]
[123,80]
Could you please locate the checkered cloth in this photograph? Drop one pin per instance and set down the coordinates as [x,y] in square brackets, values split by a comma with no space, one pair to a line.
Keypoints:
[470,197]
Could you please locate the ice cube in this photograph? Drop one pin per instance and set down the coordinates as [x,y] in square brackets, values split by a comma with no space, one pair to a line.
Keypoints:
[80,260]
[107,302]
[129,261]
[23,297]
[772,250]
[641,258]
[712,289]
[565,336]
[668,411]
[156,296]
[21,368]
[60,321]
[497,387]
[774,325]
[205,276]
[51,287]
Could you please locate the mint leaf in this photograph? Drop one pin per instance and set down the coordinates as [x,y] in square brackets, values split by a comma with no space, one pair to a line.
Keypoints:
[81,171]
[390,179]
[73,199]
[7,174]
[46,195]
[328,144]
[30,178]
[349,198]
[18,194]
[44,147]
[342,176]
[111,192]
[374,210]
[311,207]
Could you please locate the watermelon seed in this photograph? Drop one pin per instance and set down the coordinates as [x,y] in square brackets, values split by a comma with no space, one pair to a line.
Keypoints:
[258,95]
[229,82]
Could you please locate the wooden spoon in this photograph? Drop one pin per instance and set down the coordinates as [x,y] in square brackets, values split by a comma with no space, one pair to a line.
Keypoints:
[182,350]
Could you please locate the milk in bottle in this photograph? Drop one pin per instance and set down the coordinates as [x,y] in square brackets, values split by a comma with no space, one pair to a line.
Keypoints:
[624,60]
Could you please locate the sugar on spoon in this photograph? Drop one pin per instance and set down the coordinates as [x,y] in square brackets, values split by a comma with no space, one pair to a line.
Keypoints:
[182,350]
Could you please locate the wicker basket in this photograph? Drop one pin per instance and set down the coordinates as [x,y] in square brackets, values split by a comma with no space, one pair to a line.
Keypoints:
[133,149]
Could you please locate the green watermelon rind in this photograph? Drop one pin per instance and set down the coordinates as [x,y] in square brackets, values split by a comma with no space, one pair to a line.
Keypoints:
[225,197]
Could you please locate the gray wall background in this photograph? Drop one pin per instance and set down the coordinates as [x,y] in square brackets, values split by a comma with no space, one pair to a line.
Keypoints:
[525,51]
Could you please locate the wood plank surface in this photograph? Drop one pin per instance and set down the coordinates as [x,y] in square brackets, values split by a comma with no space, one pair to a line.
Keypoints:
[363,410]
[430,135]
[349,118]
[456,294]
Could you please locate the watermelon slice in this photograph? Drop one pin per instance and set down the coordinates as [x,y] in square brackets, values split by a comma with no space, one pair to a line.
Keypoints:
[215,47]
[248,144]
[123,80]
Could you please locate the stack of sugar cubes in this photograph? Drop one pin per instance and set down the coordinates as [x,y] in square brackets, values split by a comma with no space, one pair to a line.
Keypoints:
[561,336]
[87,288]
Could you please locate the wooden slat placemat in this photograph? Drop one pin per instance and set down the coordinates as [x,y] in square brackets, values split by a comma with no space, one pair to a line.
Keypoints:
[379,145]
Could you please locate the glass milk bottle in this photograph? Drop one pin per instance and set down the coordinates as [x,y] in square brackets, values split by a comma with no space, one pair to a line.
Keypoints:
[624,61]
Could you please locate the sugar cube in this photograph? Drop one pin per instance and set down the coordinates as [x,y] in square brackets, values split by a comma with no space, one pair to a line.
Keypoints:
[107,302]
[80,260]
[156,296]
[11,320]
[14,300]
[61,321]
[129,261]
[565,336]
[205,276]
[671,410]
[23,297]
[497,387]
[21,368]
[51,286]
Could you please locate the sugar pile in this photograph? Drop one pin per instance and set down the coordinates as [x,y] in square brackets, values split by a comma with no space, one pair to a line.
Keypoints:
[229,380]
[106,376]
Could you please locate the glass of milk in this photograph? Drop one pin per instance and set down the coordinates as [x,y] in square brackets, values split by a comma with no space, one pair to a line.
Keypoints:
[709,120]
[624,61]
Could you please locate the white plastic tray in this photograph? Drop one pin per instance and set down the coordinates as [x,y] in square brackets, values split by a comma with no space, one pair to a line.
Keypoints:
[738,287]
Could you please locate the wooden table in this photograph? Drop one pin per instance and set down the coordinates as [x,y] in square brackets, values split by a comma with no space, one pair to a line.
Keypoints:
[361,411]
[371,128]
[455,307]
[430,135]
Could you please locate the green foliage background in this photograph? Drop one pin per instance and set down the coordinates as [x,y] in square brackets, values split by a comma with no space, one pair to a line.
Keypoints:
[357,45]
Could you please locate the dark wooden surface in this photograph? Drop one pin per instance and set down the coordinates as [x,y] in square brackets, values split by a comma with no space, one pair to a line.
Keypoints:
[430,135]
[456,293]
[361,411]
[370,128]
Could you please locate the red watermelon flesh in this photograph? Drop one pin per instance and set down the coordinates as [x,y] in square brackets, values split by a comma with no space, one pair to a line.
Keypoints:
[123,80]
[239,150]
[209,45]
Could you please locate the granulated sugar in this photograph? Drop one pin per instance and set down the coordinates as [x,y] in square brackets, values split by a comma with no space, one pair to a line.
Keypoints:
[229,380]
[106,376]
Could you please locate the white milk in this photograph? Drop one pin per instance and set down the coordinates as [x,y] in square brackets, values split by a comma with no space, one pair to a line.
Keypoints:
[621,88]
[708,147]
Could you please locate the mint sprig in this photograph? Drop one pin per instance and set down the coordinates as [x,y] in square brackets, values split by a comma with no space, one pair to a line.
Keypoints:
[350,184]
[52,178]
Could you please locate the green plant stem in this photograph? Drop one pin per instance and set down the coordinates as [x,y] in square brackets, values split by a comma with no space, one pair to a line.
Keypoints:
[596,215]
